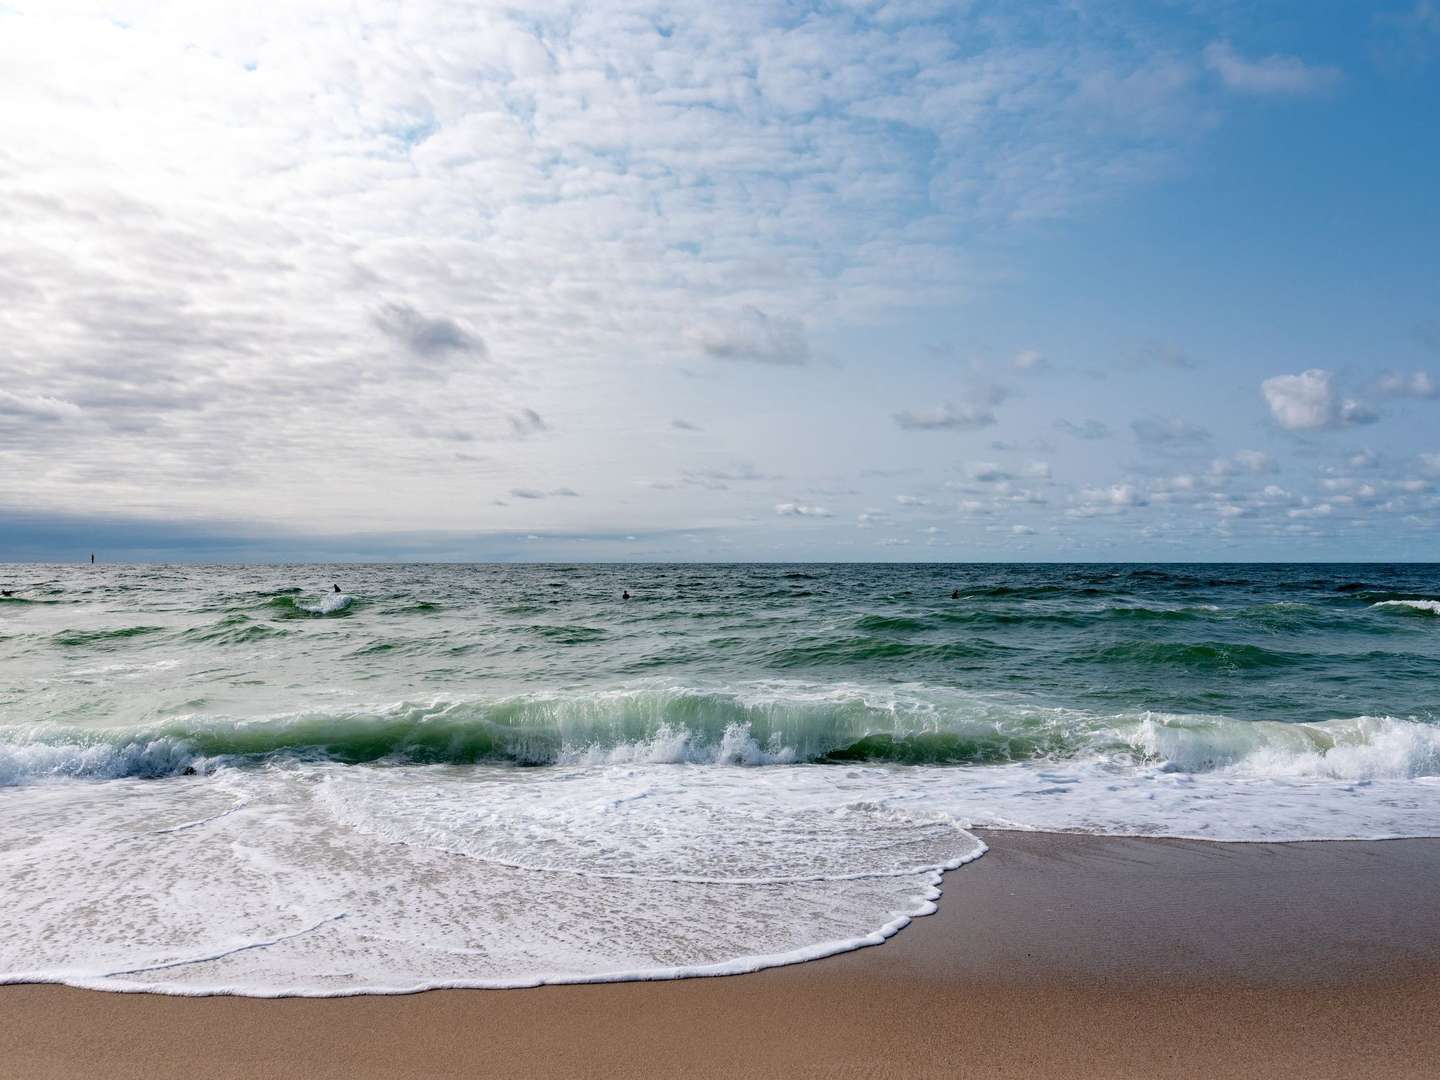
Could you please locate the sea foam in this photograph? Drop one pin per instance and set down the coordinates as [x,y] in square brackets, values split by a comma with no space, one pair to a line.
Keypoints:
[1430,607]
[324,879]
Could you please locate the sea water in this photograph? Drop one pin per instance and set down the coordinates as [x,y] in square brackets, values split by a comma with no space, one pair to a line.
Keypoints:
[235,779]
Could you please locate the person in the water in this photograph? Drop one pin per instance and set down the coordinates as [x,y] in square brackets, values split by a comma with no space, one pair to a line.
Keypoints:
[955,595]
[335,587]
[625,595]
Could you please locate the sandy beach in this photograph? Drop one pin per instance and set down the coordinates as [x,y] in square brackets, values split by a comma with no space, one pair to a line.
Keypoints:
[1052,956]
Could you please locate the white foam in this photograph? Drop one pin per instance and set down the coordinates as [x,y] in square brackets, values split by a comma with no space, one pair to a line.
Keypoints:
[326,879]
[1358,748]
[1432,606]
[329,604]
[673,746]
[22,762]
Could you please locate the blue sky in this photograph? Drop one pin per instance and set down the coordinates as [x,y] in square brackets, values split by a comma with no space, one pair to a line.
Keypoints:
[906,280]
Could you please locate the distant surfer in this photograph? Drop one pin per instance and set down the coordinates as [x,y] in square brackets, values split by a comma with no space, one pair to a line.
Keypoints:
[625,595]
[92,558]
[6,592]
[955,595]
[335,587]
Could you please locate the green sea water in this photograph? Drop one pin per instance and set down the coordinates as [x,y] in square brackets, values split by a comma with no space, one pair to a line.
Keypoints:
[239,779]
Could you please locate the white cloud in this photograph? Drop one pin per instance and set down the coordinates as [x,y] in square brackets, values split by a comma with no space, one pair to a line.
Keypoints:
[1112,499]
[1308,402]
[1276,75]
[791,509]
[946,418]
[1249,461]
[296,262]
[756,337]
[1417,384]
[1037,470]
[36,407]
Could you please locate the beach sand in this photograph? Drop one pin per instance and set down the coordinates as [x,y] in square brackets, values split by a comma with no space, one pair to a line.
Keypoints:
[1052,956]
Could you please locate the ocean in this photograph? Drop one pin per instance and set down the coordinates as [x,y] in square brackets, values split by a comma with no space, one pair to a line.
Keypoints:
[238,780]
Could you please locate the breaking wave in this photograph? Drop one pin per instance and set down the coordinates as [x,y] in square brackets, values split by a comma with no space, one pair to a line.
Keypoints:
[690,726]
[1420,607]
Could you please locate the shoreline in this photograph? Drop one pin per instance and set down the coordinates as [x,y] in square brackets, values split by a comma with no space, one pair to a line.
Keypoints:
[1054,955]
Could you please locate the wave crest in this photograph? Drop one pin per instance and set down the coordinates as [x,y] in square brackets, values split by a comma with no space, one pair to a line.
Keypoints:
[684,725]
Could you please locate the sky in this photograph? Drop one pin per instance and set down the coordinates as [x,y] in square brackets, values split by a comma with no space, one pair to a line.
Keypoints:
[907,280]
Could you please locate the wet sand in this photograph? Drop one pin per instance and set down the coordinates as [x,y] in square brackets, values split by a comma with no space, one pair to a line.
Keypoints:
[1052,956]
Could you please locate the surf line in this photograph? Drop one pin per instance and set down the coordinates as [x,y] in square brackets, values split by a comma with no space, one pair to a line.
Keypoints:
[227,952]
[200,821]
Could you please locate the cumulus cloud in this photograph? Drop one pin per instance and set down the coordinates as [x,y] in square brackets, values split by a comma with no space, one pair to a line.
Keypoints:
[1308,402]
[1117,498]
[259,266]
[1275,75]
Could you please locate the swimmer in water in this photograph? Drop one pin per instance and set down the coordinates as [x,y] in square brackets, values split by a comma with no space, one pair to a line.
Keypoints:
[955,595]
[625,595]
[335,587]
